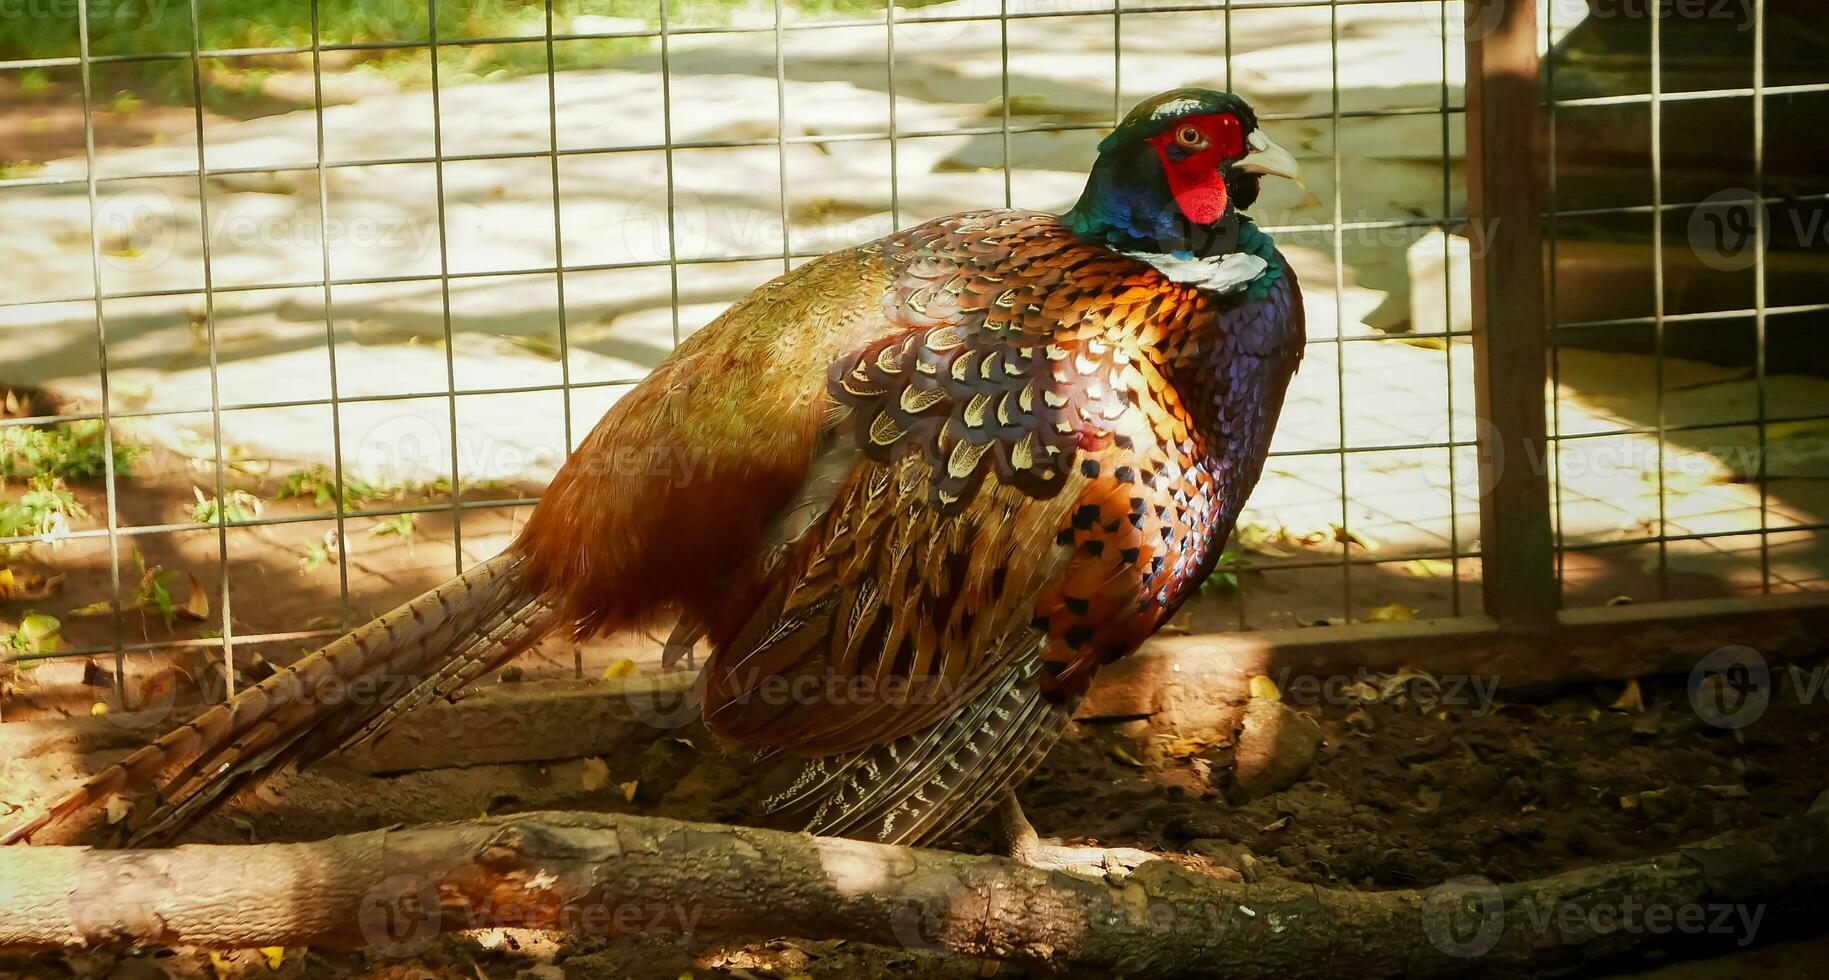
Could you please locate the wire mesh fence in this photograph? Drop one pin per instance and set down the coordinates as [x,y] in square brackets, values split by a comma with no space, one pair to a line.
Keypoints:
[1687,280]
[334,288]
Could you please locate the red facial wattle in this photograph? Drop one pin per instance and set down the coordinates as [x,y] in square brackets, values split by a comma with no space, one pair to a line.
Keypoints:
[1195,179]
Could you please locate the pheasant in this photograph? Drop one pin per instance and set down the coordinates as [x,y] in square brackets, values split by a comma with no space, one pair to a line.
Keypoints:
[930,485]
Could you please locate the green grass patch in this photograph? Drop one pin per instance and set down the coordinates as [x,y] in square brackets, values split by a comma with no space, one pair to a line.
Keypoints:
[319,485]
[232,507]
[146,26]
[45,508]
[34,81]
[400,526]
[36,634]
[67,451]
[153,592]
[18,169]
[1223,580]
[42,459]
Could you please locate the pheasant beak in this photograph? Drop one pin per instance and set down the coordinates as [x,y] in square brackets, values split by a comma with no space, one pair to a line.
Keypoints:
[1270,159]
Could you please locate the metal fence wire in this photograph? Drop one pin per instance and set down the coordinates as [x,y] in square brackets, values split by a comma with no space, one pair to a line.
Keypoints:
[1697,295]
[203,269]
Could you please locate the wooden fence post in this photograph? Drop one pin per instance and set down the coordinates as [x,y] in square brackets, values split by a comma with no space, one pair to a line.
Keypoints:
[1505,183]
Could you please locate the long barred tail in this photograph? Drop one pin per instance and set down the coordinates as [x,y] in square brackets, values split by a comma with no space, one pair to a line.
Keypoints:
[342,694]
[931,784]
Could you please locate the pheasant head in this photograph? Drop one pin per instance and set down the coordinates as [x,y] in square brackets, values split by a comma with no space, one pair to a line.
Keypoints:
[1175,176]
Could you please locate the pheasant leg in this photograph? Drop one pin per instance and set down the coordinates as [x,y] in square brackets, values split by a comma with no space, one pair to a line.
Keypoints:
[1022,843]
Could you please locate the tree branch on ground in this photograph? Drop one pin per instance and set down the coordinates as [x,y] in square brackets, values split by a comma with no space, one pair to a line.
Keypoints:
[398,887]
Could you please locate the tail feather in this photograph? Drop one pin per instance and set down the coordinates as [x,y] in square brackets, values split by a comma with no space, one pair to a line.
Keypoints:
[928,785]
[514,630]
[1018,752]
[339,696]
[373,667]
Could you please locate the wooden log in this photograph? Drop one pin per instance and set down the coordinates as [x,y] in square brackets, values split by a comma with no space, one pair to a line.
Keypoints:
[490,724]
[395,889]
[1189,680]
[527,738]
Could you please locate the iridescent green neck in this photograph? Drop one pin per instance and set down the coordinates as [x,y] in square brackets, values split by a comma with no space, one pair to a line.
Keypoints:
[1237,234]
[1258,242]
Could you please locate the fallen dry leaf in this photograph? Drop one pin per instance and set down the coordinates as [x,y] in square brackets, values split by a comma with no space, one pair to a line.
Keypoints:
[1350,538]
[1631,699]
[595,774]
[198,605]
[1429,568]
[95,676]
[23,585]
[1364,691]
[1182,625]
[1262,539]
[1408,682]
[1394,613]
[621,667]
[1182,747]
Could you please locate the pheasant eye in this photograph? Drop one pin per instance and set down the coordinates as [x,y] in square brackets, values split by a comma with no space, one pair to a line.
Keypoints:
[1190,137]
